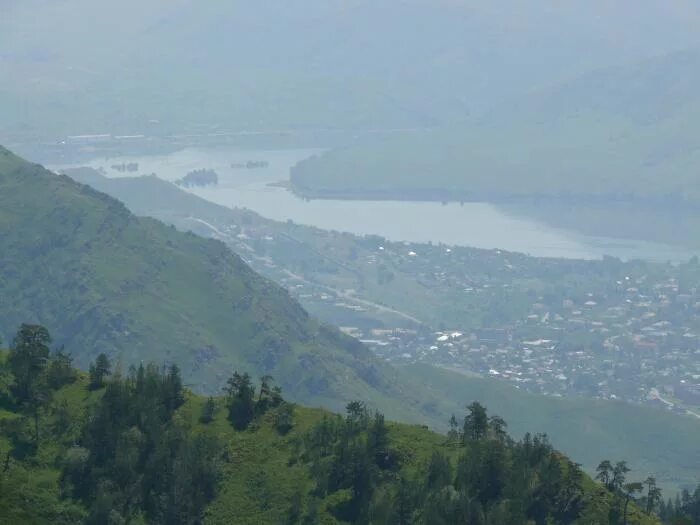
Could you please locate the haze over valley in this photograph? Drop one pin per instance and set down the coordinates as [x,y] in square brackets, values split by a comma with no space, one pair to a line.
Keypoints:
[236,236]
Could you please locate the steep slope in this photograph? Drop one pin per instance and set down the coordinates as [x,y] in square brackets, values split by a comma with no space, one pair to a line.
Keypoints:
[103,280]
[329,64]
[189,464]
[624,134]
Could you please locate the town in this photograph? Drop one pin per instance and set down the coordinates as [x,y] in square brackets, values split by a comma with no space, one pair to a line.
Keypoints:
[600,329]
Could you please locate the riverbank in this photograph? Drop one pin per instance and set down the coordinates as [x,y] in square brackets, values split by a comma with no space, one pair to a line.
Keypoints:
[476,224]
[452,195]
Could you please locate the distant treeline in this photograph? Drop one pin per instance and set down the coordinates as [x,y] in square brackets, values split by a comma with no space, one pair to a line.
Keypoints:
[250,165]
[131,167]
[427,194]
[203,177]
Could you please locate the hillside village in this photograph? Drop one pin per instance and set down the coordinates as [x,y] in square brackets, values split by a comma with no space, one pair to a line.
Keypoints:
[602,329]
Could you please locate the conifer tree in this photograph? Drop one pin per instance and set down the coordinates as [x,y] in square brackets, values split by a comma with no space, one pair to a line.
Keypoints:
[99,370]
[240,400]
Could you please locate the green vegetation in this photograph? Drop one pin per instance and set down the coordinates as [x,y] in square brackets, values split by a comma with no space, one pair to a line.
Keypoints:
[201,177]
[655,441]
[135,451]
[621,135]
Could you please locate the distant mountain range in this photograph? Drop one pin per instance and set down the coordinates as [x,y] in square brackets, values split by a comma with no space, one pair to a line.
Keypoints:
[623,134]
[177,66]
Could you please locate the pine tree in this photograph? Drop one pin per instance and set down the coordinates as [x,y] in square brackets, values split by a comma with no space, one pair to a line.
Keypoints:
[619,474]
[29,356]
[654,497]
[475,422]
[404,503]
[378,441]
[284,418]
[439,472]
[60,371]
[604,473]
[99,371]
[268,396]
[208,411]
[240,400]
[356,416]
[174,391]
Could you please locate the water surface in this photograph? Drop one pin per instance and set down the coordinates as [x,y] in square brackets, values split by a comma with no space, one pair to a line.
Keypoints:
[480,225]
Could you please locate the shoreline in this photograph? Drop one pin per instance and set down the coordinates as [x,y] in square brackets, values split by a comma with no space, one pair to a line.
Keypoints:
[446,196]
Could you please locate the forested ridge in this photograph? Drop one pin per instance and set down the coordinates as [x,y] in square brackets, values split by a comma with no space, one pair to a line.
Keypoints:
[136,446]
[610,136]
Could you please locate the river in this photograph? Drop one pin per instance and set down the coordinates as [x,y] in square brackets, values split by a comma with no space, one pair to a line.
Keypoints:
[480,225]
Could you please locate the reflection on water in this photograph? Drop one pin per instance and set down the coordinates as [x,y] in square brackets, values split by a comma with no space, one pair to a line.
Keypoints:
[473,224]
[669,225]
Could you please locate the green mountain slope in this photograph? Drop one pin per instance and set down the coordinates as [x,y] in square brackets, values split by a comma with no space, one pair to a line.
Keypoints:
[103,280]
[619,134]
[141,449]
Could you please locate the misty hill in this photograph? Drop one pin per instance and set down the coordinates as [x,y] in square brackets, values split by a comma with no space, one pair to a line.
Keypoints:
[140,448]
[103,280]
[275,65]
[617,134]
[580,427]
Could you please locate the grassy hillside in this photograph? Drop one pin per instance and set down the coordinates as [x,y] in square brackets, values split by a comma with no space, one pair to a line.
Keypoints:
[266,472]
[103,280]
[625,134]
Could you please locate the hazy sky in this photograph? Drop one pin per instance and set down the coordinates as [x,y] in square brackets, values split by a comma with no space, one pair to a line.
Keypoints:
[310,63]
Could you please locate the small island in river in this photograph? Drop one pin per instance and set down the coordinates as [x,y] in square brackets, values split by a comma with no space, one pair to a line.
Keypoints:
[203,177]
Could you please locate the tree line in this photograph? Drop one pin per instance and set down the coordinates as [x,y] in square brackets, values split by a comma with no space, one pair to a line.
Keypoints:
[130,458]
[486,479]
[133,458]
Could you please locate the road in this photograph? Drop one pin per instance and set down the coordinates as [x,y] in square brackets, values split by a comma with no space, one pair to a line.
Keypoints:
[351,297]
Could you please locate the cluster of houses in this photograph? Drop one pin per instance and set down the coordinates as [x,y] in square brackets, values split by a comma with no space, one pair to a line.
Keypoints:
[611,335]
[639,343]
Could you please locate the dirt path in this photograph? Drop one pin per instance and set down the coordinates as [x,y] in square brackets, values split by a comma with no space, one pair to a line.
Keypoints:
[353,298]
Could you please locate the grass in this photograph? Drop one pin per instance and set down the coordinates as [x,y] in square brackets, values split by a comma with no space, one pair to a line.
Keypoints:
[261,473]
